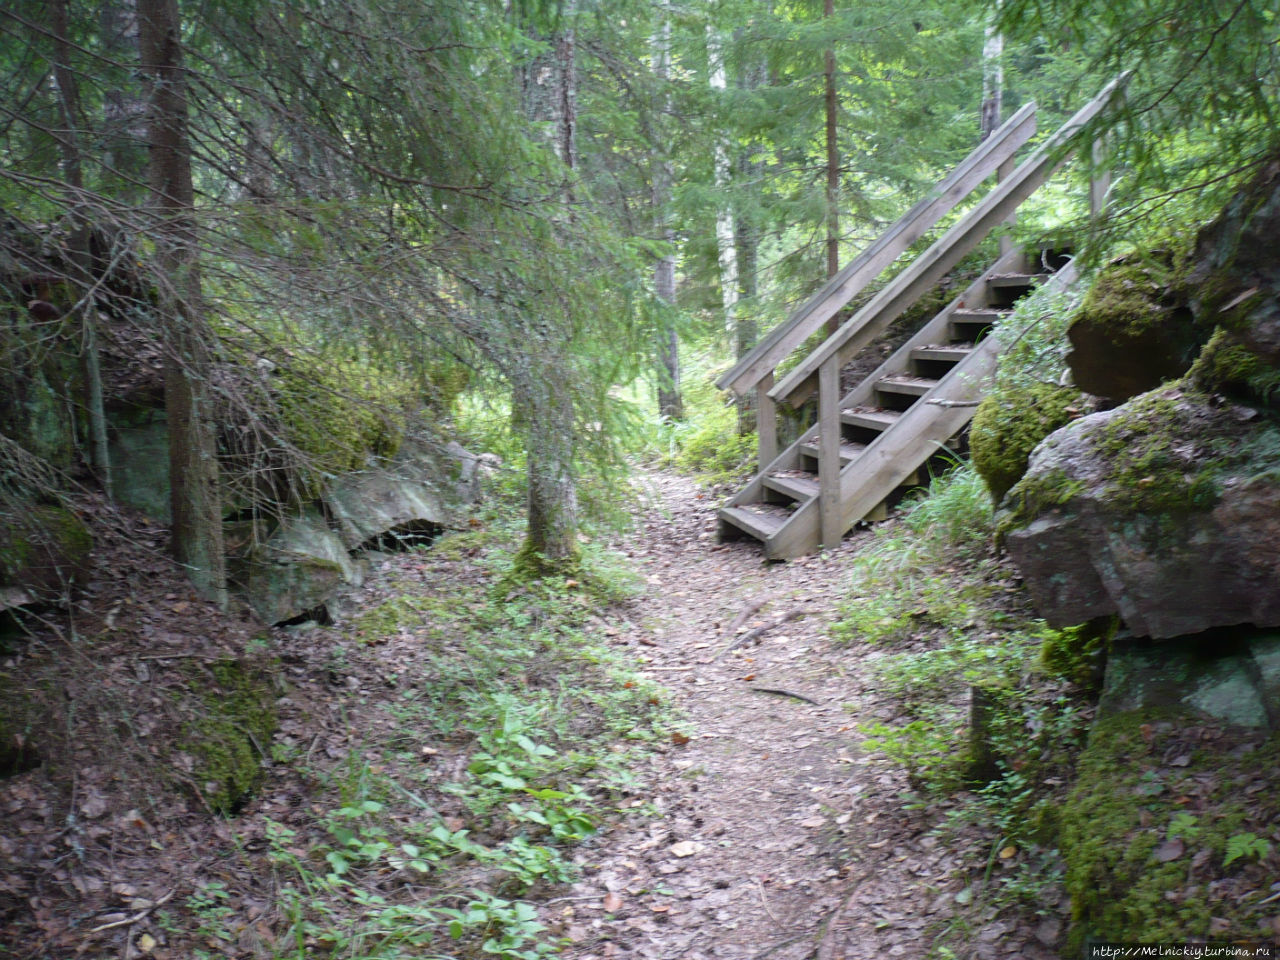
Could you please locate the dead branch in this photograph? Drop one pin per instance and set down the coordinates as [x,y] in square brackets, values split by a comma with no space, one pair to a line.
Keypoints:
[753,636]
[744,614]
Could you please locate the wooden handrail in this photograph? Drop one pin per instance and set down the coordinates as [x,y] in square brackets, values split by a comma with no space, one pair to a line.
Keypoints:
[933,264]
[764,358]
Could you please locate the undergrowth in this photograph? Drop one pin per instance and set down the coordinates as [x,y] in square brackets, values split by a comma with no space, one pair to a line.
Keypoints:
[512,735]
[945,609]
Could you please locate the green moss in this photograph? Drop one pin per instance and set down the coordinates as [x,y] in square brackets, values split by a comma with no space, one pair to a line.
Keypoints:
[1128,800]
[1010,423]
[1228,367]
[339,416]
[42,547]
[1166,454]
[1078,653]
[239,720]
[1032,496]
[1134,293]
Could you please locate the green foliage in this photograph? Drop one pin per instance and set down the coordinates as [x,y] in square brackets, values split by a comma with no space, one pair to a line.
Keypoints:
[1078,653]
[1197,114]
[1247,846]
[549,722]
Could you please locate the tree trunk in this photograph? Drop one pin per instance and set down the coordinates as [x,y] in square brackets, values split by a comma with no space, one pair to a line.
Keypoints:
[992,81]
[544,414]
[728,253]
[81,255]
[567,88]
[124,104]
[833,160]
[670,403]
[193,462]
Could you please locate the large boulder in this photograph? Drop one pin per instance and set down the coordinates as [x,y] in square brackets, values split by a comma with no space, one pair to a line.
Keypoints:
[302,565]
[1135,329]
[1165,511]
[406,498]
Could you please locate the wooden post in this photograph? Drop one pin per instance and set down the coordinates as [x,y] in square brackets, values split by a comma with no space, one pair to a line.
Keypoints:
[1100,182]
[1002,173]
[766,421]
[829,453]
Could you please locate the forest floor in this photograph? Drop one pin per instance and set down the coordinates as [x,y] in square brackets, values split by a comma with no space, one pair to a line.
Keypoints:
[778,836]
[754,824]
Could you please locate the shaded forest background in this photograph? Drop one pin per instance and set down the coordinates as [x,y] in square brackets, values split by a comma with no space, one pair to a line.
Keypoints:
[536,227]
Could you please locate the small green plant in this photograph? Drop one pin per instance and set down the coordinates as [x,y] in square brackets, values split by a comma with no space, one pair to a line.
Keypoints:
[1184,826]
[209,905]
[1245,846]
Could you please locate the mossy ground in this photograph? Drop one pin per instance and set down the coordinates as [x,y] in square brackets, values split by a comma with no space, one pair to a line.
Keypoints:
[229,740]
[1145,831]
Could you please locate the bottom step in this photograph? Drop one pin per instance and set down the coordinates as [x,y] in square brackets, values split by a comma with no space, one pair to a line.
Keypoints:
[757,520]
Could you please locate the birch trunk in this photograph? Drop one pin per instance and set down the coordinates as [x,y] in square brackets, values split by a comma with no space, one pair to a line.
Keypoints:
[728,253]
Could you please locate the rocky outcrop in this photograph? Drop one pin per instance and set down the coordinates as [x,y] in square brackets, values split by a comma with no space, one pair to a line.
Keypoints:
[1166,510]
[316,555]
[407,498]
[1135,330]
[297,569]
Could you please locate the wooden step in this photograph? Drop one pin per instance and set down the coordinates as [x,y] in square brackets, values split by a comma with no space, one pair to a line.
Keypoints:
[795,484]
[950,352]
[1025,281]
[905,384]
[848,451]
[752,519]
[870,419]
[982,315]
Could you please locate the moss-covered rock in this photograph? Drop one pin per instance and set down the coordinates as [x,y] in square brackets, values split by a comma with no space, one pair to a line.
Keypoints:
[1163,511]
[1145,831]
[1135,329]
[226,743]
[1010,423]
[43,549]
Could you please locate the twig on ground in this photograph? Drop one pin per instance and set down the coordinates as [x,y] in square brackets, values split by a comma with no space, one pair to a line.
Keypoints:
[744,614]
[752,636]
[137,917]
[786,693]
[765,900]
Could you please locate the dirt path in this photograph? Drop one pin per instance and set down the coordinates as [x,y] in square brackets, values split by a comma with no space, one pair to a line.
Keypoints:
[776,837]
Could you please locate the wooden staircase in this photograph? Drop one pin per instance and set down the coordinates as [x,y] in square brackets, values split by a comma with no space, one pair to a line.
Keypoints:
[876,438]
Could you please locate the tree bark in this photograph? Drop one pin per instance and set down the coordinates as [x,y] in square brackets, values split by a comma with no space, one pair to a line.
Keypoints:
[992,81]
[544,414]
[81,254]
[193,463]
